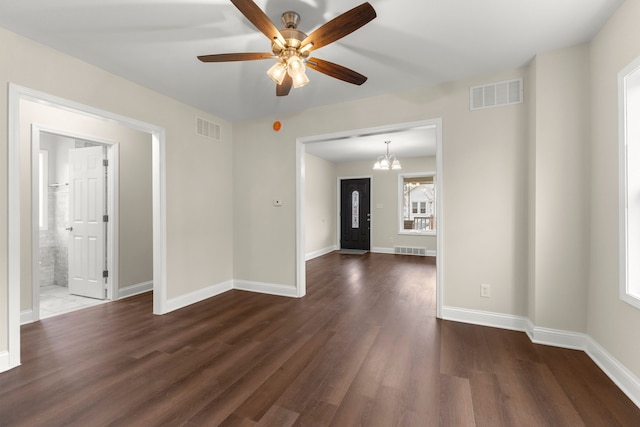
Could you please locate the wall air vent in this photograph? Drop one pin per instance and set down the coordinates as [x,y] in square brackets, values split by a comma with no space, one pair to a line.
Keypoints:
[496,94]
[208,129]
[408,250]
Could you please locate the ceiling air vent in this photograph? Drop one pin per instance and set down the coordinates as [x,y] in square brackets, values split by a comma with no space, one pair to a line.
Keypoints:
[208,129]
[496,94]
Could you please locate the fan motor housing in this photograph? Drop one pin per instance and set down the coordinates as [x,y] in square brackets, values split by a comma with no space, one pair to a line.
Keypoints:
[292,36]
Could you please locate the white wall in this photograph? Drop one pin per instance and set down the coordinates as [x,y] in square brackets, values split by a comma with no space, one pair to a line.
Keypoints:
[611,322]
[320,205]
[561,177]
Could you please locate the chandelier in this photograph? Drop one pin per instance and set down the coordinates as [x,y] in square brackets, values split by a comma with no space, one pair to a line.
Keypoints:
[387,161]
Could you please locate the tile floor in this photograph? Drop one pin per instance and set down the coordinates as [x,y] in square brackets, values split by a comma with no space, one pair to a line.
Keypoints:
[56,300]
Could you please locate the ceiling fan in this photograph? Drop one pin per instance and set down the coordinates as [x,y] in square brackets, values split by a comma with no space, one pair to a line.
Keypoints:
[291,47]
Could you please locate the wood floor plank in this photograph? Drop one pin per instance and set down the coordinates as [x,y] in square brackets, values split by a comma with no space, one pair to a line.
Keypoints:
[363,347]
[264,396]
[456,402]
[489,402]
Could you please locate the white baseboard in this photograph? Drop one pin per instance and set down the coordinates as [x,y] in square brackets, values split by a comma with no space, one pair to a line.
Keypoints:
[379,250]
[197,296]
[619,374]
[556,337]
[484,318]
[266,288]
[136,289]
[616,371]
[4,361]
[320,252]
[26,317]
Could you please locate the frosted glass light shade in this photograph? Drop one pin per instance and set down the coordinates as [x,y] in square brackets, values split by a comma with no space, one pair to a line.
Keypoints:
[277,72]
[300,80]
[295,66]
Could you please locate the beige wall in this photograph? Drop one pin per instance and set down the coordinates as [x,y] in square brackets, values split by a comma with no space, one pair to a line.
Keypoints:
[561,160]
[484,194]
[320,204]
[384,201]
[611,322]
[135,260]
[198,171]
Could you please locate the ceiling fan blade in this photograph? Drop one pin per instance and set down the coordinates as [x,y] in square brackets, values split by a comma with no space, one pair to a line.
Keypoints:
[258,18]
[285,87]
[337,71]
[340,26]
[228,57]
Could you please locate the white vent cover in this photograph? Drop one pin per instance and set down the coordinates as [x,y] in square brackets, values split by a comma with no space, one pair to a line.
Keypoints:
[208,129]
[408,250]
[496,94]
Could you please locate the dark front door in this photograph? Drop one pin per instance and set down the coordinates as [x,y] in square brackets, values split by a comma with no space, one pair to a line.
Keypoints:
[355,212]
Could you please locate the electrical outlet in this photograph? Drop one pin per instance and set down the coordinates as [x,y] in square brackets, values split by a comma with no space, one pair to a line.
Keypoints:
[485,291]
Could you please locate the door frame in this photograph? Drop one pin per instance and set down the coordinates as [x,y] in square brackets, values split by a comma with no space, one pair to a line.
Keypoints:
[339,201]
[113,197]
[16,94]
[301,284]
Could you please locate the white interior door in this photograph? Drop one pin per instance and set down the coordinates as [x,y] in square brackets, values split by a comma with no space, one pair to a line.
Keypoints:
[86,210]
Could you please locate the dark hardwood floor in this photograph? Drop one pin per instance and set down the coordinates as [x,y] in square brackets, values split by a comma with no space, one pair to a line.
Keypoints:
[362,348]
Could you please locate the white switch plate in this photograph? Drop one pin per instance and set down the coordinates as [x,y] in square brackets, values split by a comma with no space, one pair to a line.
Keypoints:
[277,202]
[485,291]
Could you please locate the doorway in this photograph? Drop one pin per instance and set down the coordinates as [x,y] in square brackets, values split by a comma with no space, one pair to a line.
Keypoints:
[16,96]
[74,221]
[301,144]
[355,214]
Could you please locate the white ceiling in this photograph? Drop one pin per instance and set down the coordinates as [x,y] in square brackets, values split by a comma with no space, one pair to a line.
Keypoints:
[412,43]
[410,142]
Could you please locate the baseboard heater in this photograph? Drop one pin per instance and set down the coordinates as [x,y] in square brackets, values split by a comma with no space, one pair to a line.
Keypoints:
[408,250]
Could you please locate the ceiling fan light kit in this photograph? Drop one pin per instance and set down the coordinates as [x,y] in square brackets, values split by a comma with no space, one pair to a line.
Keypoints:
[291,47]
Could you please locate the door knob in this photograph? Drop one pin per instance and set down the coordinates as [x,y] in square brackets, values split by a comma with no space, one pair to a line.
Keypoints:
[69,228]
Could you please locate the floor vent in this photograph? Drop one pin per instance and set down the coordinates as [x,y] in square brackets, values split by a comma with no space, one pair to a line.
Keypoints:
[496,94]
[208,129]
[408,250]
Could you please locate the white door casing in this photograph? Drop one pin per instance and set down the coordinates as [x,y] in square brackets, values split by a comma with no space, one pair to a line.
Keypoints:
[87,233]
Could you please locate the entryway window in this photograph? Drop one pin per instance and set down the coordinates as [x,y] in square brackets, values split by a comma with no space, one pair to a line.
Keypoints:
[417,203]
[629,182]
[355,209]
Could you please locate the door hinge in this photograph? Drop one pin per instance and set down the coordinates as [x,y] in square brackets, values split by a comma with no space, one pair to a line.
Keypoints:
[105,218]
[105,273]
[105,162]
